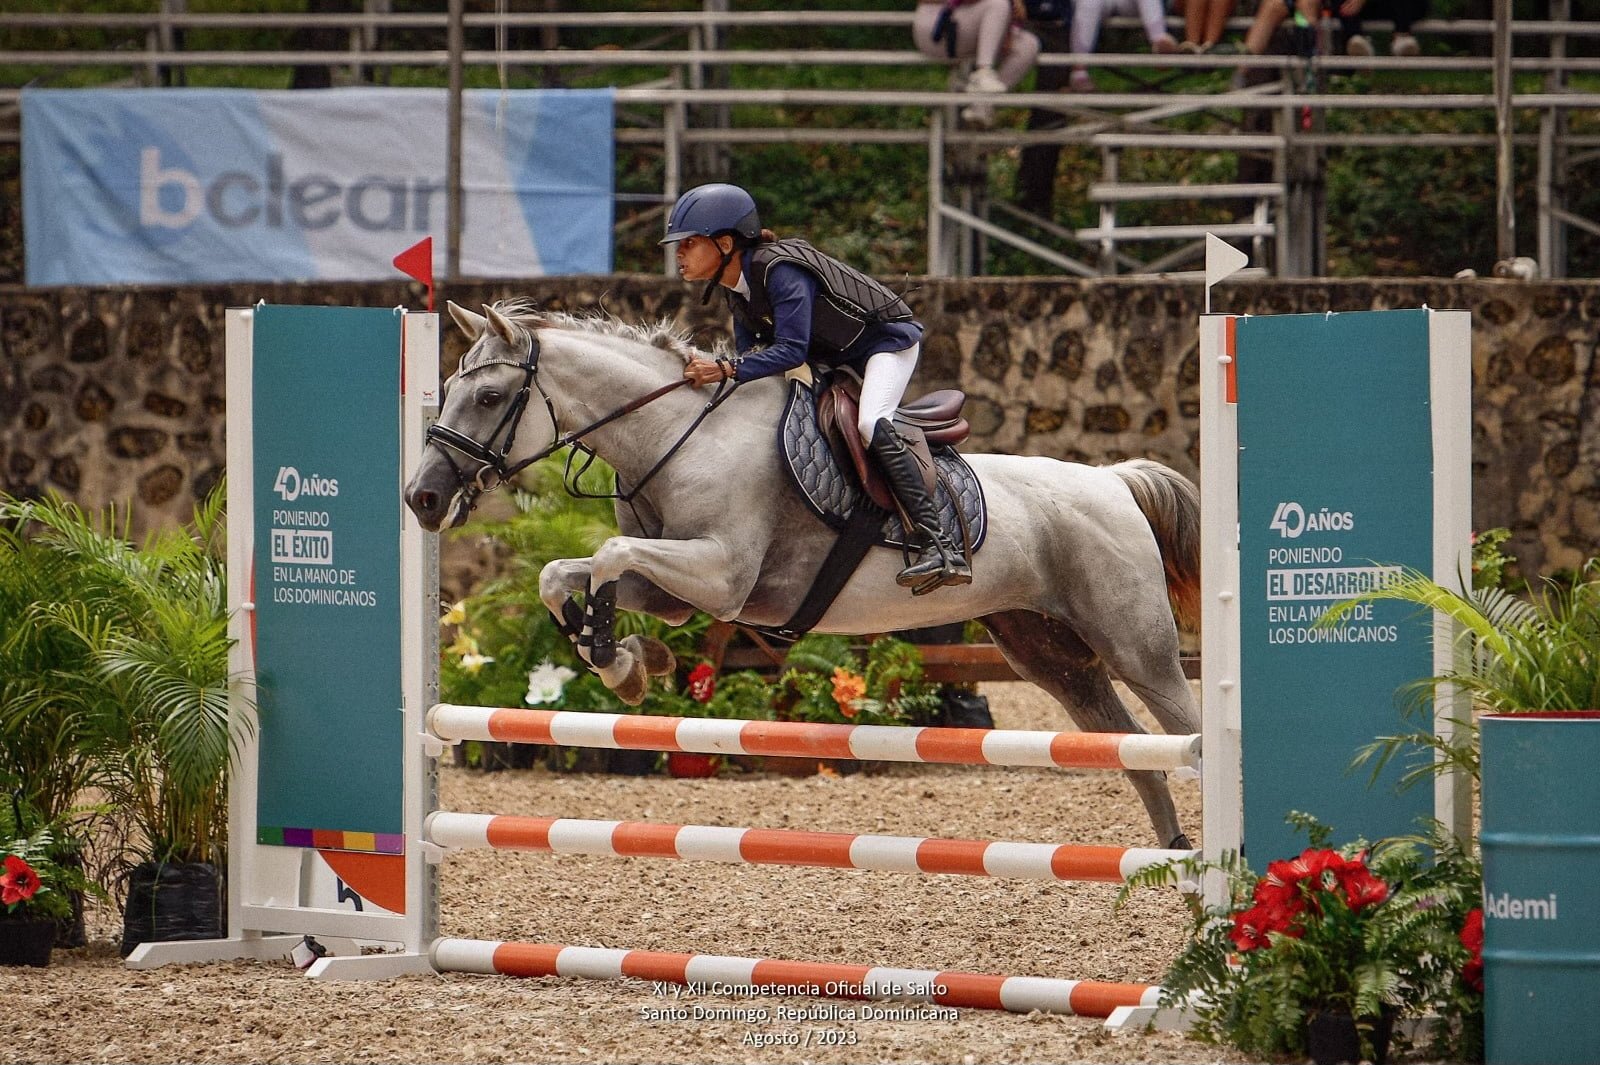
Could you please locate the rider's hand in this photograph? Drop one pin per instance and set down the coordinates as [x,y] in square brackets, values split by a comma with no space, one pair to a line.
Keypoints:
[707,371]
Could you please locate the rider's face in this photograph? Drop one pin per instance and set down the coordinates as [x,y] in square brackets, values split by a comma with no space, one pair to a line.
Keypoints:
[699,258]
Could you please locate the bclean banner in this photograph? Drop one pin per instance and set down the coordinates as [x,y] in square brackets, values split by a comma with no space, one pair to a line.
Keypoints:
[326,577]
[1336,494]
[134,186]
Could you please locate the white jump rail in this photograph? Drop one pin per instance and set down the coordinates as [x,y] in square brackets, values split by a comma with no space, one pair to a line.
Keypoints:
[757,846]
[791,739]
[723,975]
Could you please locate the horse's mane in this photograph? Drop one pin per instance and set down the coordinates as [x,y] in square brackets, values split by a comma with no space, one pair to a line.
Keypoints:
[663,333]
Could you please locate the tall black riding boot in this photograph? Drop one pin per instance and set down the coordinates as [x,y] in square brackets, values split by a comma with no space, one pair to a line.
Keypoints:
[938,560]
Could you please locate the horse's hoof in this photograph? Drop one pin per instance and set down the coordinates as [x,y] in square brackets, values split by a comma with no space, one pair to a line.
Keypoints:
[634,684]
[1180,842]
[657,657]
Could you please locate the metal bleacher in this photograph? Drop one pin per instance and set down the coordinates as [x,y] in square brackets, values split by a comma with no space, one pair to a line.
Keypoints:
[689,85]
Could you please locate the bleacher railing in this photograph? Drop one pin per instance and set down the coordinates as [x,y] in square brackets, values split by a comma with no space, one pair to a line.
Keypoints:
[678,83]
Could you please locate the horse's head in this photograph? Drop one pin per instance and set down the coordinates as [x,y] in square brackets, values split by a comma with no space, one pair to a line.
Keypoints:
[493,413]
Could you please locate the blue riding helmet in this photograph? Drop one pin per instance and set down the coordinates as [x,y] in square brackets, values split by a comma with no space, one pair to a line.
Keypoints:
[707,210]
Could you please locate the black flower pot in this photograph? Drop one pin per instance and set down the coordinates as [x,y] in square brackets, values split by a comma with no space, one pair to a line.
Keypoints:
[1332,1037]
[26,940]
[174,901]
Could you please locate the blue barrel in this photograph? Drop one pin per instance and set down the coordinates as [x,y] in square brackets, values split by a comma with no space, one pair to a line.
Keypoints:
[1541,887]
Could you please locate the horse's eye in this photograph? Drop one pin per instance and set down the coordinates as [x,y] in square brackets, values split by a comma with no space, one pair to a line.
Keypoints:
[489,398]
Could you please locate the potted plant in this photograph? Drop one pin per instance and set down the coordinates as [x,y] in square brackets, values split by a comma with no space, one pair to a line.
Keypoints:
[1531,668]
[151,623]
[35,895]
[1325,951]
[52,710]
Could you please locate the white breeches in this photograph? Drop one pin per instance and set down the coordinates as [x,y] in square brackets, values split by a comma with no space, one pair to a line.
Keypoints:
[884,385]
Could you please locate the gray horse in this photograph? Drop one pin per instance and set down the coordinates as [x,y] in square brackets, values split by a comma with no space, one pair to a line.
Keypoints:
[1080,578]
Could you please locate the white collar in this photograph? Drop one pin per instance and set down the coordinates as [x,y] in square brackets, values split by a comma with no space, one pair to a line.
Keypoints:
[743,286]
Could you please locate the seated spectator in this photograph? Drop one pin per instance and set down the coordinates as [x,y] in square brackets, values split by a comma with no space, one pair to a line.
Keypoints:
[1270,15]
[1087,15]
[1404,14]
[1204,22]
[984,31]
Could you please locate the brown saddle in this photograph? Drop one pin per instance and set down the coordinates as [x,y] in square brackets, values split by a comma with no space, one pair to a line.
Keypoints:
[931,419]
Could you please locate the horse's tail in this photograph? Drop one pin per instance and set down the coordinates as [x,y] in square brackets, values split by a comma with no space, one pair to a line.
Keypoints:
[1171,505]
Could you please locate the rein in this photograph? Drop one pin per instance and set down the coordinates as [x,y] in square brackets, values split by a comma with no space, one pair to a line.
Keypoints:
[496,462]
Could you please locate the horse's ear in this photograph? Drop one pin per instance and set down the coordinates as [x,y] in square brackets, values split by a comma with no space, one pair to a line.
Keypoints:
[502,325]
[471,324]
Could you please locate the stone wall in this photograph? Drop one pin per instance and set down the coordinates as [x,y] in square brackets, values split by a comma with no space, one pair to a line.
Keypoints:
[117,394]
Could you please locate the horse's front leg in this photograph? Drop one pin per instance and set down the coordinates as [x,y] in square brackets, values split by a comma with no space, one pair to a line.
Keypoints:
[651,572]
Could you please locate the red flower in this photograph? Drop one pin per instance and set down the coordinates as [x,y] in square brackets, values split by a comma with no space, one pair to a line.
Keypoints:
[1361,888]
[702,683]
[20,882]
[1472,939]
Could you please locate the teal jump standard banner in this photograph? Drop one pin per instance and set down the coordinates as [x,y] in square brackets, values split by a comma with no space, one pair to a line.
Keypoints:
[326,577]
[1335,493]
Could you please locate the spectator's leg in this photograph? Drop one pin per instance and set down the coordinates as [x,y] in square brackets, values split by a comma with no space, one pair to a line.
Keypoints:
[1268,18]
[1086,18]
[989,23]
[1021,52]
[1405,14]
[1036,170]
[1194,25]
[1087,15]
[922,24]
[1153,16]
[1218,12]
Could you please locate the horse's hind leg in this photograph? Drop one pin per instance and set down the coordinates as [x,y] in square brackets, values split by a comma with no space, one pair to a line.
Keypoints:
[1049,653]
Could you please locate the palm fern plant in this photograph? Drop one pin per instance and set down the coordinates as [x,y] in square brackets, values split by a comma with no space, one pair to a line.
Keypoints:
[1513,655]
[150,625]
[49,712]
[1372,932]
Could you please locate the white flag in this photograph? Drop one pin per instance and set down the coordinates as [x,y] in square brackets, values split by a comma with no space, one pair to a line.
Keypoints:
[1222,259]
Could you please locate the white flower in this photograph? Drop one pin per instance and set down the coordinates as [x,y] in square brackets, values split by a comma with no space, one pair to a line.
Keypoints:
[545,683]
[472,663]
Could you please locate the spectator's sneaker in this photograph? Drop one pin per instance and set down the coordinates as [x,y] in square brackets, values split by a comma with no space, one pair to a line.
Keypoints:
[1166,44]
[1080,81]
[980,116]
[984,79]
[1193,48]
[1404,44]
[1358,45]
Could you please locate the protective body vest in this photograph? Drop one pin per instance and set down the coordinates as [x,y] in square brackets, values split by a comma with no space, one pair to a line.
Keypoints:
[848,302]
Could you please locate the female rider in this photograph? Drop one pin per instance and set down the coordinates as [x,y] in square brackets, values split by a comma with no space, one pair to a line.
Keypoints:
[772,288]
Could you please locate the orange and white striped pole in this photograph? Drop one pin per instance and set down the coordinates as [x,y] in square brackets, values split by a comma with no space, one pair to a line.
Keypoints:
[716,975]
[757,846]
[795,739]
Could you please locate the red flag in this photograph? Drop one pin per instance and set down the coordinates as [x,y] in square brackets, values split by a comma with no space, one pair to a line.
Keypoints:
[417,262]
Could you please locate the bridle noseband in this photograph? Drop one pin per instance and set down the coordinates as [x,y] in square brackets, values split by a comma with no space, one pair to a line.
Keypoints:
[497,462]
[490,461]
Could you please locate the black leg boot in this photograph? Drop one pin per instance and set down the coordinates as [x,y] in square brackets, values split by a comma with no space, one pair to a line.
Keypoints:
[938,560]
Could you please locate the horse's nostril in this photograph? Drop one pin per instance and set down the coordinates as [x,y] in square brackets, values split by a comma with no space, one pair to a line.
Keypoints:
[425,501]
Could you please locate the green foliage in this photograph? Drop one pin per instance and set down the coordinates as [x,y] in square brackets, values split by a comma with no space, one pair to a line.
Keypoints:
[49,736]
[1491,566]
[1359,930]
[144,667]
[827,682]
[1512,655]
